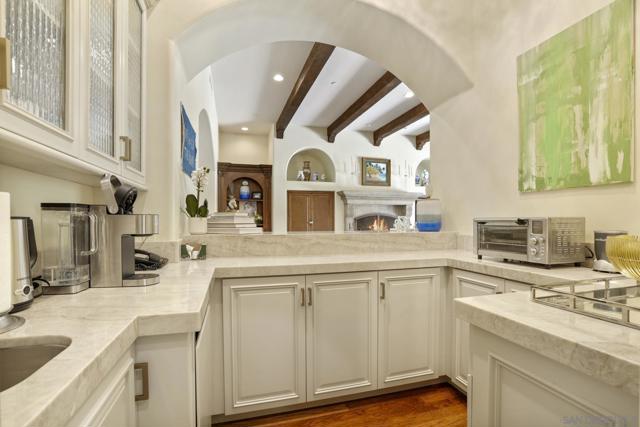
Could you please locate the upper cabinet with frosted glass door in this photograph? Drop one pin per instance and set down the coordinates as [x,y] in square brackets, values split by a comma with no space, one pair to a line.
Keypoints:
[39,103]
[133,163]
[76,80]
[114,95]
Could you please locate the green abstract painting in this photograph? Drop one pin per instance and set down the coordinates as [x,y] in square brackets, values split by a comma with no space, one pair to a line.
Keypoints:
[576,104]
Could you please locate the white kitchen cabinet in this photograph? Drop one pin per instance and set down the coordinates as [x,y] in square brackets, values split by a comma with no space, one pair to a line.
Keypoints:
[511,286]
[515,387]
[40,104]
[171,366]
[341,334]
[76,82]
[409,325]
[468,284]
[264,343]
[133,160]
[112,404]
[205,390]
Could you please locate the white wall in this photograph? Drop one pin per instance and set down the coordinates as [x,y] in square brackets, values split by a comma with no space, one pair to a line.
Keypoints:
[198,100]
[476,140]
[246,148]
[29,189]
[346,151]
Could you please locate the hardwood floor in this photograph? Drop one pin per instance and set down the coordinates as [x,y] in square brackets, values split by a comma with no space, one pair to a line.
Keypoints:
[439,405]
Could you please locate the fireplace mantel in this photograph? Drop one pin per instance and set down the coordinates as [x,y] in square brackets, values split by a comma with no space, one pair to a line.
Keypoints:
[363,202]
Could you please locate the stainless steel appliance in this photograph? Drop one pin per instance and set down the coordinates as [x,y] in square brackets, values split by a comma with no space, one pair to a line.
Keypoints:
[547,241]
[25,256]
[600,261]
[117,227]
[69,237]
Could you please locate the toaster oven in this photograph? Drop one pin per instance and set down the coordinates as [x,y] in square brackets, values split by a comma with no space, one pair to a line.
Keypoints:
[546,241]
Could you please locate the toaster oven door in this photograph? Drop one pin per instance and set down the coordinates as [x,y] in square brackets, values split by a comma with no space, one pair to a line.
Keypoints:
[506,239]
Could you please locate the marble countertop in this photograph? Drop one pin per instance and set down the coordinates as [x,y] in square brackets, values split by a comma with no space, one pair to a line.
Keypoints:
[603,350]
[288,265]
[103,323]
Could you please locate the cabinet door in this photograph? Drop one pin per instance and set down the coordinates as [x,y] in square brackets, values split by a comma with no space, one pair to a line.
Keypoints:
[341,334]
[133,162]
[170,360]
[468,284]
[264,343]
[321,210]
[310,210]
[37,105]
[205,387]
[408,326]
[112,404]
[297,211]
[102,94]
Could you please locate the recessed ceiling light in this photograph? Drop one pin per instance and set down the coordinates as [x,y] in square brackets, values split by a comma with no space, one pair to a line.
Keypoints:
[244,128]
[409,94]
[278,77]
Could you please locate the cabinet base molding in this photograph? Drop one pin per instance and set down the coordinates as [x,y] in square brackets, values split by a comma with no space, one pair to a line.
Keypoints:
[220,418]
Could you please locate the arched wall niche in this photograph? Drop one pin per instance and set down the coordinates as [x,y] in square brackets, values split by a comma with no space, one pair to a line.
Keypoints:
[320,163]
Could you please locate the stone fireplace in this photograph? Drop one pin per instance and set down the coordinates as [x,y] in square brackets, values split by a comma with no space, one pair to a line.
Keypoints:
[375,210]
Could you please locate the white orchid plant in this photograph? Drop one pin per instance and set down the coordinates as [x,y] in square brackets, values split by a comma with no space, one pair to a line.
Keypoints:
[200,179]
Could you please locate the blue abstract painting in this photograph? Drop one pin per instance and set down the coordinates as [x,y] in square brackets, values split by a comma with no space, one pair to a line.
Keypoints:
[189,149]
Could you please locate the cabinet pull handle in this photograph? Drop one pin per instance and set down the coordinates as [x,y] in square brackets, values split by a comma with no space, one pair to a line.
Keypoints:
[383,293]
[127,148]
[5,63]
[302,300]
[144,367]
[309,302]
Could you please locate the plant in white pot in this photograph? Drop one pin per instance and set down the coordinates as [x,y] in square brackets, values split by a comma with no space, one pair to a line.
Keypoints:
[197,212]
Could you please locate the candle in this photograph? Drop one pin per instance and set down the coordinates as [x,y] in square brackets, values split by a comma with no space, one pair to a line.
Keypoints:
[6,260]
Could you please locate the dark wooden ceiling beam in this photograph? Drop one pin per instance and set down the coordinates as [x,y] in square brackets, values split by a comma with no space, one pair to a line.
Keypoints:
[318,56]
[375,93]
[422,139]
[411,116]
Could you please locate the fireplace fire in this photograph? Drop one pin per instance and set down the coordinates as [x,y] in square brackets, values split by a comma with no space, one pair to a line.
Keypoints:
[379,224]
[375,222]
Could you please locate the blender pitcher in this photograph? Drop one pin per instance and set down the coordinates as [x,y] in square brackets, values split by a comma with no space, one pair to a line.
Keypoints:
[69,238]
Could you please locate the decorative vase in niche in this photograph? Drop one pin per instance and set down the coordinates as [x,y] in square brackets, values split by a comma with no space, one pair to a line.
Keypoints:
[300,176]
[197,225]
[245,191]
[306,170]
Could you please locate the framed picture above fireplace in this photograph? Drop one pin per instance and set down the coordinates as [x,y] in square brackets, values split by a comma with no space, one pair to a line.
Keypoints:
[376,172]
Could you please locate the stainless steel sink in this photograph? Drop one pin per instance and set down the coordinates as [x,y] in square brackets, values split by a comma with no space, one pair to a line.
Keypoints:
[21,359]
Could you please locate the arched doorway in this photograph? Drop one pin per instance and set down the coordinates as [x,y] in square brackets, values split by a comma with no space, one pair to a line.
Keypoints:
[186,36]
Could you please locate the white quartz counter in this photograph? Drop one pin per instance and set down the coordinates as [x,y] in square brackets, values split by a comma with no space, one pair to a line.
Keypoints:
[603,350]
[103,323]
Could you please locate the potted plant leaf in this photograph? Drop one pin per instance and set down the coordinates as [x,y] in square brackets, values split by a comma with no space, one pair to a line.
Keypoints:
[197,212]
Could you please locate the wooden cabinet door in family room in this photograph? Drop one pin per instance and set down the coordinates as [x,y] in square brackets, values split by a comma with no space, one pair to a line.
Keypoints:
[310,210]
